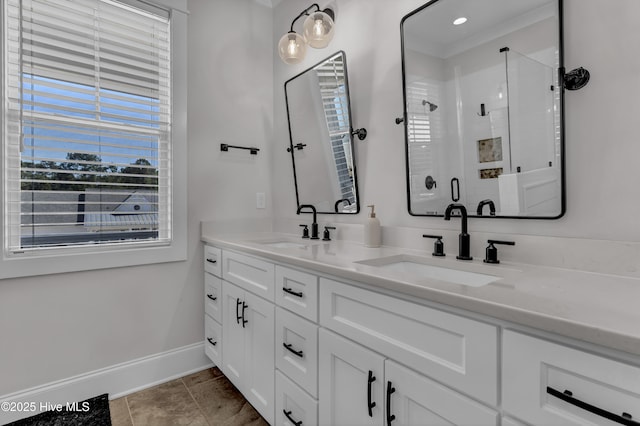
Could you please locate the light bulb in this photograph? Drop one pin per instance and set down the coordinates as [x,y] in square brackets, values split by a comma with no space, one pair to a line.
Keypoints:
[292,48]
[318,30]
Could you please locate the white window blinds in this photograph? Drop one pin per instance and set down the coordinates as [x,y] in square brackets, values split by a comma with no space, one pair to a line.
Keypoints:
[87,142]
[332,81]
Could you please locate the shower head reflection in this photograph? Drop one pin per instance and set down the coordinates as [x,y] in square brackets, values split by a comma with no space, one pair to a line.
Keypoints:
[432,106]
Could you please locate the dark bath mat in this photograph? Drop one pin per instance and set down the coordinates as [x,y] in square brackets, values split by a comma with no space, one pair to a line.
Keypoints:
[96,414]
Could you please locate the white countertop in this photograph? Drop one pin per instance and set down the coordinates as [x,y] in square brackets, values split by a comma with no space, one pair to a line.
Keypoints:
[596,308]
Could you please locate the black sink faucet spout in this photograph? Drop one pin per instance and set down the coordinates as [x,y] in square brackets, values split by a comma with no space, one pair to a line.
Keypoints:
[464,239]
[314,225]
[490,203]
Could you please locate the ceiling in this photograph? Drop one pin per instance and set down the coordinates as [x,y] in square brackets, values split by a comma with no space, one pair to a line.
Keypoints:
[434,24]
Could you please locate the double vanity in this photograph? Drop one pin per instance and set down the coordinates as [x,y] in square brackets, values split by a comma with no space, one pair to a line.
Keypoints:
[315,332]
[335,333]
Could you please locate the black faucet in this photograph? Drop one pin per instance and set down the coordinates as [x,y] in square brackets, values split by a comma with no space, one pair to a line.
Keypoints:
[346,200]
[314,225]
[491,204]
[464,239]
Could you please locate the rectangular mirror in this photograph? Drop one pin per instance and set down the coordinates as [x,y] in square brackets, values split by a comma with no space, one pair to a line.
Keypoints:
[483,110]
[321,144]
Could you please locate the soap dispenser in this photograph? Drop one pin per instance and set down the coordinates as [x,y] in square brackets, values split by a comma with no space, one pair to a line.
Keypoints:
[372,233]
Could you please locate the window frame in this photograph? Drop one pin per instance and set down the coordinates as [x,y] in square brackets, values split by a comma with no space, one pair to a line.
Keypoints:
[102,256]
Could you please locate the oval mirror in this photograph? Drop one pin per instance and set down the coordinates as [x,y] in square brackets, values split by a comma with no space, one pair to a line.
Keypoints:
[321,143]
[483,110]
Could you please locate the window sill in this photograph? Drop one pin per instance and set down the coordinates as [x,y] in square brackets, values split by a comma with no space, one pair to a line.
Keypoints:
[58,263]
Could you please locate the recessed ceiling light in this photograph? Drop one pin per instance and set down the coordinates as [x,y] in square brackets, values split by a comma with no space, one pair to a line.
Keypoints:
[459,21]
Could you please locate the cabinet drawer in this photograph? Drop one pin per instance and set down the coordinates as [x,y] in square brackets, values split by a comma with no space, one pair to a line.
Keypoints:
[213,340]
[298,292]
[532,366]
[250,273]
[451,349]
[298,406]
[213,296]
[300,360]
[213,260]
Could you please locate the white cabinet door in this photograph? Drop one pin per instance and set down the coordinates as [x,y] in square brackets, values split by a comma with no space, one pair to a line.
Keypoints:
[349,374]
[259,331]
[233,347]
[412,399]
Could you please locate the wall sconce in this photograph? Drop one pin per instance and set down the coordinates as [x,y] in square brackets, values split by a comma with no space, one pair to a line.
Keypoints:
[317,33]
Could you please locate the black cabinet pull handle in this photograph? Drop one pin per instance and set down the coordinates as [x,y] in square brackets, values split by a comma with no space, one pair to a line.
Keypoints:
[238,316]
[288,346]
[291,292]
[212,297]
[211,260]
[390,390]
[211,341]
[244,321]
[370,404]
[567,396]
[288,414]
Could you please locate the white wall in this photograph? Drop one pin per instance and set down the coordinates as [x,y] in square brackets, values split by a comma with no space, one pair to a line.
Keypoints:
[57,326]
[601,120]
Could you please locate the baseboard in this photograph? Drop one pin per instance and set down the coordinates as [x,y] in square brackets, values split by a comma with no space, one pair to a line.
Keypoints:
[117,380]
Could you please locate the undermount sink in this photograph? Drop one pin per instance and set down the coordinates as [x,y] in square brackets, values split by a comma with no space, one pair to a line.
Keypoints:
[416,266]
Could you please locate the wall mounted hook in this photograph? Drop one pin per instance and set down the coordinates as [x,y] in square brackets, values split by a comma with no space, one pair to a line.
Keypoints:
[361,133]
[576,79]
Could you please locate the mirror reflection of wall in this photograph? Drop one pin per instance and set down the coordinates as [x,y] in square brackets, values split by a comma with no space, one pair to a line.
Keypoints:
[483,107]
[321,143]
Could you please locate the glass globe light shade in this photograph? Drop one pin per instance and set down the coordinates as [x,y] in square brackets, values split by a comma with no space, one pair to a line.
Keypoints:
[318,30]
[292,48]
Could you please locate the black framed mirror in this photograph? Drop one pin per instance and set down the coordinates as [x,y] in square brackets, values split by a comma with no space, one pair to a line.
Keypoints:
[321,137]
[484,108]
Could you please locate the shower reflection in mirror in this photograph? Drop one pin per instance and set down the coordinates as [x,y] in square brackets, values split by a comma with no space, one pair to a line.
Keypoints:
[483,107]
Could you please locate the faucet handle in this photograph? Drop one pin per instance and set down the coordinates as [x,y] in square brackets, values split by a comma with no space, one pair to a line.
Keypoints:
[491,255]
[305,231]
[326,236]
[438,245]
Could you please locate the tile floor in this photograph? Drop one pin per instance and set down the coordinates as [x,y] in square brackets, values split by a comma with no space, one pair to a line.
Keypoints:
[206,398]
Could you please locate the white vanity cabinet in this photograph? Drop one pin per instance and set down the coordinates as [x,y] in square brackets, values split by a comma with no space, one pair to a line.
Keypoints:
[361,387]
[548,383]
[247,357]
[458,351]
[305,349]
[240,323]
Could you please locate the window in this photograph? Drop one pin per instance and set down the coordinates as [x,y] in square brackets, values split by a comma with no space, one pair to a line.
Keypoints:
[88,146]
